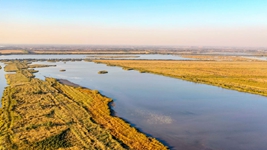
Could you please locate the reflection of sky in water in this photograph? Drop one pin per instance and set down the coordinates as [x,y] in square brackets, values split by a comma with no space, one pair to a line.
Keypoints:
[257,58]
[186,115]
[174,110]
[3,83]
[152,117]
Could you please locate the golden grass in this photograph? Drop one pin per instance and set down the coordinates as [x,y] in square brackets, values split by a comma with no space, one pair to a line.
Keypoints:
[16,65]
[248,77]
[117,127]
[218,58]
[13,51]
[38,114]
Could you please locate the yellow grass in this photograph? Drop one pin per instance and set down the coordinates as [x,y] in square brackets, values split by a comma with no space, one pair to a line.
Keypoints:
[38,114]
[219,58]
[13,51]
[16,65]
[248,77]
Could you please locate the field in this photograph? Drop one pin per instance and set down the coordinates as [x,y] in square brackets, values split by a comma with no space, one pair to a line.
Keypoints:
[242,76]
[218,58]
[13,52]
[38,114]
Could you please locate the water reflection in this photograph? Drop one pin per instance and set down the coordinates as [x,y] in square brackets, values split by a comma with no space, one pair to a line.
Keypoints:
[3,83]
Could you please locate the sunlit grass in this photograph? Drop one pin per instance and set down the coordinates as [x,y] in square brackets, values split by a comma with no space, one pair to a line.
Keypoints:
[219,58]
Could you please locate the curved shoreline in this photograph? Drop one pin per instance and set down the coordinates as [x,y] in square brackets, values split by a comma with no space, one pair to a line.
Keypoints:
[46,114]
[112,112]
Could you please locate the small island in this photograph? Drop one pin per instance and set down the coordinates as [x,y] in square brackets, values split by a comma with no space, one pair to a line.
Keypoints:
[128,69]
[40,66]
[62,70]
[102,72]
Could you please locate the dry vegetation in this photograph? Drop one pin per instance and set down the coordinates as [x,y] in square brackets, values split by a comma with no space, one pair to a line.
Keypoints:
[38,114]
[248,77]
[14,66]
[40,66]
[218,58]
[13,52]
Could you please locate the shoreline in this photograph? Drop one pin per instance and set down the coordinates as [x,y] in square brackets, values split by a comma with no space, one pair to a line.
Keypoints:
[211,77]
[65,116]
[112,111]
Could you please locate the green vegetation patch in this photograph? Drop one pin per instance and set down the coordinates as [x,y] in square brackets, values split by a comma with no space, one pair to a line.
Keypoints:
[54,142]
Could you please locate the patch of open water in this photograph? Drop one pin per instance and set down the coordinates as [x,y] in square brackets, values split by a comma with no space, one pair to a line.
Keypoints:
[3,83]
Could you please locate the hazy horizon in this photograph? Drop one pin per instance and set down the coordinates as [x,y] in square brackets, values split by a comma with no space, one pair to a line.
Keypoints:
[220,23]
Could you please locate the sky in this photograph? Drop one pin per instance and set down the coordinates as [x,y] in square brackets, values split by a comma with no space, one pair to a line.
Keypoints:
[240,23]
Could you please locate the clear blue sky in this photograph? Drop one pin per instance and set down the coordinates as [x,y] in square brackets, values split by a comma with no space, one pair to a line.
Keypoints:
[147,22]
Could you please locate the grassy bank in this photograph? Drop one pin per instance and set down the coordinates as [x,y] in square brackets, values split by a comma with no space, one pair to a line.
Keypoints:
[11,51]
[248,77]
[218,58]
[38,114]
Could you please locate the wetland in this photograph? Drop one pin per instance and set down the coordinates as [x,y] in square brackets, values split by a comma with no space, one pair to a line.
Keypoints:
[180,114]
[38,114]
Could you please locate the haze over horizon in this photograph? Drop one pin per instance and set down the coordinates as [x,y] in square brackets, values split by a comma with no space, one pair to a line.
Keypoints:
[240,23]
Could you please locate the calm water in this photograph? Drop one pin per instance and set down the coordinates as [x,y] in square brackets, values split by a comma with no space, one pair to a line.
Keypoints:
[3,83]
[186,115]
[258,58]
[156,56]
